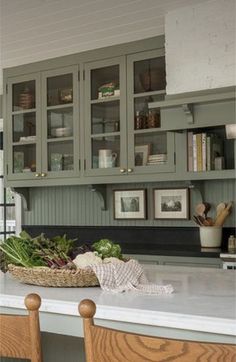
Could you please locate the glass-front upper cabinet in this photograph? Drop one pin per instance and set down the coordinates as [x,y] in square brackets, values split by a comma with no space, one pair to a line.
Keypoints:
[150,149]
[105,117]
[60,116]
[44,125]
[24,124]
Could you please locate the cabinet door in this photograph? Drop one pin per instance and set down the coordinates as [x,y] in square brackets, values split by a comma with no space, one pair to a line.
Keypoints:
[23,127]
[105,117]
[60,127]
[150,149]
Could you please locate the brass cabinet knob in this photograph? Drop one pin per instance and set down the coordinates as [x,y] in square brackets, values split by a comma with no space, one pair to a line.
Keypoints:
[122,170]
[130,170]
[43,174]
[37,175]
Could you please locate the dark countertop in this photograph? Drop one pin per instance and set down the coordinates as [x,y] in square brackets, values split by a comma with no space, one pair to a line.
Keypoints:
[173,250]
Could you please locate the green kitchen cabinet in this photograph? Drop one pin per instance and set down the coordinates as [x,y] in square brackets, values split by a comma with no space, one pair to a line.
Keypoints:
[103,116]
[42,126]
[121,136]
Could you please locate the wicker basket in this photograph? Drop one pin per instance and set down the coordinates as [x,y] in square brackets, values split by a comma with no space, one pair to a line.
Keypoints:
[47,277]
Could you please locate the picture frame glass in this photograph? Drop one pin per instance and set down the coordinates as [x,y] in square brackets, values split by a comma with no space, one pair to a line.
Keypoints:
[171,203]
[130,204]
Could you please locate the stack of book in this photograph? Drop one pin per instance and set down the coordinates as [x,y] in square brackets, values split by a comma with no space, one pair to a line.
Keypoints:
[203,148]
[158,159]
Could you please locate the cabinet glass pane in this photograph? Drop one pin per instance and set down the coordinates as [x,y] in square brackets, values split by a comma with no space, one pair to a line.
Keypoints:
[10,196]
[105,82]
[10,215]
[60,156]
[60,122]
[24,158]
[143,117]
[149,75]
[23,96]
[59,90]
[106,152]
[24,127]
[105,117]
[1,190]
[150,149]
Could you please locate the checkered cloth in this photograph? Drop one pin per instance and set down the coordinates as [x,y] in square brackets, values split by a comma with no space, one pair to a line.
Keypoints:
[121,277]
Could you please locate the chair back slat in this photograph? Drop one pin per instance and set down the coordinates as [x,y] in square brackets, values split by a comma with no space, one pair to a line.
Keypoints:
[20,335]
[109,345]
[14,336]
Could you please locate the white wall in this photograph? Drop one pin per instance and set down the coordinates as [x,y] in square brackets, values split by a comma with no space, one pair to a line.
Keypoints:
[39,29]
[200,46]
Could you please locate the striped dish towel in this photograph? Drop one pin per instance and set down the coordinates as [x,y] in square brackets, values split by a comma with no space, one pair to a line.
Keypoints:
[124,276]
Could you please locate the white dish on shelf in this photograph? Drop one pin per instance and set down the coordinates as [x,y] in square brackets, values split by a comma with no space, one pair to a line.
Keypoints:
[61,132]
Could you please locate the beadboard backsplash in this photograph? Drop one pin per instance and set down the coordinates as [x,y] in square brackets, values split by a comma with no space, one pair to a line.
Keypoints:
[78,205]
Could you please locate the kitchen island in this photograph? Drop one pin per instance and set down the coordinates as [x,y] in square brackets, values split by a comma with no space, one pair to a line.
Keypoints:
[202,307]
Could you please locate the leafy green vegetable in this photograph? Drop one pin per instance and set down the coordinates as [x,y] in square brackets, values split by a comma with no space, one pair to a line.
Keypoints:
[39,251]
[20,251]
[106,248]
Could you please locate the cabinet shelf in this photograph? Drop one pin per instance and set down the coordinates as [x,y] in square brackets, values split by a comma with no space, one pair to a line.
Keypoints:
[59,139]
[195,97]
[23,143]
[110,134]
[60,106]
[147,130]
[149,94]
[105,100]
[209,175]
[25,111]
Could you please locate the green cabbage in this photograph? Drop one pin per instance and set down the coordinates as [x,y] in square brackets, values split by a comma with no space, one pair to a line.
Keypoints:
[105,248]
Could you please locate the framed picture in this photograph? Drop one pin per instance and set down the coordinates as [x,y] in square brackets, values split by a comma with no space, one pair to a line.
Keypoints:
[129,204]
[171,203]
[141,154]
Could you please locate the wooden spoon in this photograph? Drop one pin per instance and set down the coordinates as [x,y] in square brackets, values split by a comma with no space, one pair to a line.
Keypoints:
[207,208]
[210,221]
[195,218]
[200,209]
[219,208]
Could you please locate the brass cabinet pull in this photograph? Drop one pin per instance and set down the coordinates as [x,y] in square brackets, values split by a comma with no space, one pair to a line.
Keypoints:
[122,170]
[130,170]
[43,174]
[37,175]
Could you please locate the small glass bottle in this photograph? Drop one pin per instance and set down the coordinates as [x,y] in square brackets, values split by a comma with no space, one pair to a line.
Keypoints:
[231,244]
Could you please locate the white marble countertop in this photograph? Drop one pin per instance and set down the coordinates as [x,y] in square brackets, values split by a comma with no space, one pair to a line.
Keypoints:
[204,300]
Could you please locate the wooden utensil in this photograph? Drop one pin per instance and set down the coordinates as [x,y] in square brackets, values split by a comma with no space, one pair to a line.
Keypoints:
[219,208]
[200,209]
[195,218]
[220,219]
[207,208]
[210,221]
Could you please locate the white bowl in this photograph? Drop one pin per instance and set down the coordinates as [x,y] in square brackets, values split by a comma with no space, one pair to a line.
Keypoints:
[61,132]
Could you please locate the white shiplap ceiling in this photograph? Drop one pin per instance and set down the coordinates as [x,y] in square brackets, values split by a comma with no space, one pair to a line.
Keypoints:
[34,30]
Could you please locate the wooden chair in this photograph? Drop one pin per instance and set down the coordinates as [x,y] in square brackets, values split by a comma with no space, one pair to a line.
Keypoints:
[109,345]
[20,335]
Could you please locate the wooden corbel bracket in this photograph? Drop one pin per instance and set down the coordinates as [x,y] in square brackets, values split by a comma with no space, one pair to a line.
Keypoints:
[188,110]
[101,191]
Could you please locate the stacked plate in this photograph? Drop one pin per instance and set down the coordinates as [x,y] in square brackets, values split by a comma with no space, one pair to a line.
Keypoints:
[158,159]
